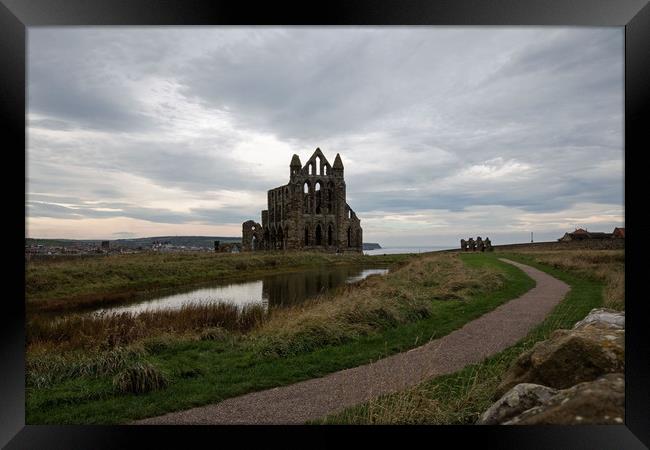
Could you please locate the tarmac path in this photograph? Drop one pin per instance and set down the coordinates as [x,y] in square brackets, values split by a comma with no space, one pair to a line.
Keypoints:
[319,397]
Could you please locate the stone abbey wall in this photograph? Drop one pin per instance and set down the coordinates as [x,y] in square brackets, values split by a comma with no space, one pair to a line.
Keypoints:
[308,213]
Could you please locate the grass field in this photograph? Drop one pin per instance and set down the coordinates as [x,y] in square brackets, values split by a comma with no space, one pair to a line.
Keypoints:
[605,266]
[87,282]
[596,279]
[425,297]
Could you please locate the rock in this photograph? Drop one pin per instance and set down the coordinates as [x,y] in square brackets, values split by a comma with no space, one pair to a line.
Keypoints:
[569,357]
[514,402]
[593,402]
[603,315]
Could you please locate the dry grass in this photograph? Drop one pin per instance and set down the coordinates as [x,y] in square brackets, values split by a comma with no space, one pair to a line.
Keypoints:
[437,405]
[139,378]
[603,265]
[107,331]
[403,295]
[45,367]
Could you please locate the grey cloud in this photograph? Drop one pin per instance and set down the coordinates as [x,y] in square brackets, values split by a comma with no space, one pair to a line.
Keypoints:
[196,166]
[549,98]
[79,211]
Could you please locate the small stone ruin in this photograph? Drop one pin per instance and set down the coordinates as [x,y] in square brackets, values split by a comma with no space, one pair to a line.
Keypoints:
[479,244]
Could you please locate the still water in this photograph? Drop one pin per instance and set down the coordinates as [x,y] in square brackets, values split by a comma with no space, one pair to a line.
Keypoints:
[270,291]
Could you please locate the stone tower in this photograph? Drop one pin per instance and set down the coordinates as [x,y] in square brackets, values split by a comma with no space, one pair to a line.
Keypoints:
[308,213]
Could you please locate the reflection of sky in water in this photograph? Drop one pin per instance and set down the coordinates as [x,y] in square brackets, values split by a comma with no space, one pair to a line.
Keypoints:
[276,290]
[366,273]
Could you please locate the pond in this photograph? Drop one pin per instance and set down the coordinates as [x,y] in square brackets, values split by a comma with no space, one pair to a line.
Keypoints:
[271,291]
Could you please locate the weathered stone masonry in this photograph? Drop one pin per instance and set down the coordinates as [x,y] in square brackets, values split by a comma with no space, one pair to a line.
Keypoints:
[308,213]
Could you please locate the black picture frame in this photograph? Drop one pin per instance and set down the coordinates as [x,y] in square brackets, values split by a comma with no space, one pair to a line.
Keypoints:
[16,15]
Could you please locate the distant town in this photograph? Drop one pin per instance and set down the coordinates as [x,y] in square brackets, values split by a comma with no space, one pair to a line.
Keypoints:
[162,244]
[136,245]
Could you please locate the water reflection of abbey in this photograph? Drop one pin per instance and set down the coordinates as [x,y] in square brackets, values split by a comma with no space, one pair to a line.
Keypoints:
[292,288]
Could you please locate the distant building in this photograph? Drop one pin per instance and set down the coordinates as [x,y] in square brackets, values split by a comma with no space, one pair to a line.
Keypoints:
[619,233]
[229,247]
[580,235]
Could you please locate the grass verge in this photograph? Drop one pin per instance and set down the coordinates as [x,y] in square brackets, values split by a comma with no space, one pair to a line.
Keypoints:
[606,266]
[461,397]
[432,300]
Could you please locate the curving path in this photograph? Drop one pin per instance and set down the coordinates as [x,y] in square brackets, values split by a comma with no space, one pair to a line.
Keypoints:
[318,397]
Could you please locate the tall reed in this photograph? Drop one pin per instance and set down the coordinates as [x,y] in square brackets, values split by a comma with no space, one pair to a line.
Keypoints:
[110,330]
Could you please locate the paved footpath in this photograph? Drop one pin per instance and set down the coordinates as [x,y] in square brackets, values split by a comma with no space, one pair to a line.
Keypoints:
[318,397]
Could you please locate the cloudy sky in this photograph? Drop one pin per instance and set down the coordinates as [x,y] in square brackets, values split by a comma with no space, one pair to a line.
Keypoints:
[445,132]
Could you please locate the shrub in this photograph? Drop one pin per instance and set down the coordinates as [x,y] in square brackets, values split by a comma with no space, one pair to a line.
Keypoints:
[139,378]
[46,367]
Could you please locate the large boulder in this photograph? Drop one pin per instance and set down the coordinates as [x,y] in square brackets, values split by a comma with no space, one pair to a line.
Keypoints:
[520,398]
[569,357]
[593,402]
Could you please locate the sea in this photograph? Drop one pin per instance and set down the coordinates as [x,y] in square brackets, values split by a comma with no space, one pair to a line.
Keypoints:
[400,250]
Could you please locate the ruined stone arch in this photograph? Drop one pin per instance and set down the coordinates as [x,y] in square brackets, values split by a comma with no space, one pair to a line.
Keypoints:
[330,235]
[318,197]
[319,235]
[306,238]
[306,197]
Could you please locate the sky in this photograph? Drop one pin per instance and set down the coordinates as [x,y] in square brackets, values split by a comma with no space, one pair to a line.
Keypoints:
[444,132]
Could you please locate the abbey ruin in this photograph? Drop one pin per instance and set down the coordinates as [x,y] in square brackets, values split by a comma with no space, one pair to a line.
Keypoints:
[308,213]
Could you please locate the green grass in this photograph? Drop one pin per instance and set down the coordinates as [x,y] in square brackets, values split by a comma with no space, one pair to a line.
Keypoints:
[461,397]
[207,371]
[73,283]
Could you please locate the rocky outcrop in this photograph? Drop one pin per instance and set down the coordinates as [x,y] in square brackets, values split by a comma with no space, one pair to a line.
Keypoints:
[574,377]
[514,402]
[595,346]
[601,401]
